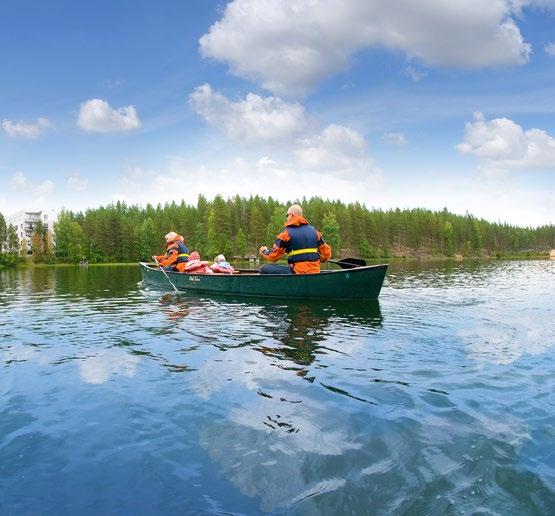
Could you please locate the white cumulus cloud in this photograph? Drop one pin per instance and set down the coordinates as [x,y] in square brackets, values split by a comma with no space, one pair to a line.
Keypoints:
[25,130]
[255,118]
[97,116]
[414,74]
[77,183]
[20,182]
[518,5]
[244,176]
[288,46]
[501,145]
[550,49]
[337,150]
[398,139]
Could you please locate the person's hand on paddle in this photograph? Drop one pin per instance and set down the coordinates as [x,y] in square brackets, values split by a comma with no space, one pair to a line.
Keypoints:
[262,249]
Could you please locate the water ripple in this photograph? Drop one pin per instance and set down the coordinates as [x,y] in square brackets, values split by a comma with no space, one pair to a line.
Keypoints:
[438,399]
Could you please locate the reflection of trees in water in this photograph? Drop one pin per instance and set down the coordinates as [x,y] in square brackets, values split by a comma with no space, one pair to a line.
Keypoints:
[299,331]
[444,273]
[28,280]
[93,282]
[290,333]
[302,328]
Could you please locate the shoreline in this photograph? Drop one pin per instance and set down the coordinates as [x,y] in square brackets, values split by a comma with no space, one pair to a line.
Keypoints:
[391,259]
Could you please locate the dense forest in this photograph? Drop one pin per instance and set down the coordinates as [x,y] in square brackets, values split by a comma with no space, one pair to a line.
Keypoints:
[238,226]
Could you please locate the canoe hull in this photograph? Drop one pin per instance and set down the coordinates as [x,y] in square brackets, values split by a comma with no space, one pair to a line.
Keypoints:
[362,283]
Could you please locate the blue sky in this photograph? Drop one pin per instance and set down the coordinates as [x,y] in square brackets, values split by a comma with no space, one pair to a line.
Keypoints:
[392,104]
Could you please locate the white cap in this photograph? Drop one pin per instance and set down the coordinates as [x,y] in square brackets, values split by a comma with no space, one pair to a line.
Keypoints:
[172,235]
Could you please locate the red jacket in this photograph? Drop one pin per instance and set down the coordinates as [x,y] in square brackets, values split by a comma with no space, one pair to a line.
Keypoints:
[281,244]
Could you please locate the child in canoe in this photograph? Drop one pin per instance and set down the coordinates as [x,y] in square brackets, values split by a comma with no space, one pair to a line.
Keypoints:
[221,265]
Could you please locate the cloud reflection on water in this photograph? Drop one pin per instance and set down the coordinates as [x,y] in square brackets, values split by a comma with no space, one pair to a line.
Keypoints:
[99,368]
[437,400]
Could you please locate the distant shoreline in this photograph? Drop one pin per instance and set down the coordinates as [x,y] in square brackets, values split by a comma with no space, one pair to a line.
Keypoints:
[391,259]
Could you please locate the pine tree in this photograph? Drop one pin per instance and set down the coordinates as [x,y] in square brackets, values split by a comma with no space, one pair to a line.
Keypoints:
[219,228]
[213,246]
[275,226]
[364,249]
[69,238]
[146,236]
[241,245]
[330,231]
[448,238]
[12,240]
[477,242]
[11,248]
[257,227]
[118,232]
[198,242]
[3,233]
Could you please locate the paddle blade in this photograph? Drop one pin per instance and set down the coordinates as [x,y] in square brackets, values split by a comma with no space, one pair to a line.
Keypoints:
[358,262]
[349,263]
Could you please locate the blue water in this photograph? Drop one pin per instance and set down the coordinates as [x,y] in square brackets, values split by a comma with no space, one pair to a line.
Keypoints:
[439,399]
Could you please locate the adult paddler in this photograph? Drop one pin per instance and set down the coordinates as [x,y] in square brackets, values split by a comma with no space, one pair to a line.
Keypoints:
[300,242]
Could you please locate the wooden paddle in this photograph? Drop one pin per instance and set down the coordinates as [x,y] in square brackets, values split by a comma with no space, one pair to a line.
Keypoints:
[349,263]
[165,274]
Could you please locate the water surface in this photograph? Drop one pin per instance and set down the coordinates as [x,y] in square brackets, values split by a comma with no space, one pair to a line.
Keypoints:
[439,399]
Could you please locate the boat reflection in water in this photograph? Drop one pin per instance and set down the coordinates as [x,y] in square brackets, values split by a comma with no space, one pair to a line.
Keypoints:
[274,408]
[435,401]
[291,335]
[302,330]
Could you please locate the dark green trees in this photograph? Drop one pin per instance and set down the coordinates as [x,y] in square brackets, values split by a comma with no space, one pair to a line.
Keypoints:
[236,227]
[3,233]
[10,247]
[70,238]
[330,230]
[9,243]
[448,244]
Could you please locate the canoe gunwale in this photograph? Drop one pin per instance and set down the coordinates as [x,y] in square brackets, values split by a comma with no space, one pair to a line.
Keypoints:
[254,272]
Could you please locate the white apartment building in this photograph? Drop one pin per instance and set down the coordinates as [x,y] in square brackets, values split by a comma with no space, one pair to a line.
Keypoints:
[24,222]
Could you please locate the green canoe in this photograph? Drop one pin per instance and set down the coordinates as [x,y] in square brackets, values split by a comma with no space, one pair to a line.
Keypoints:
[357,283]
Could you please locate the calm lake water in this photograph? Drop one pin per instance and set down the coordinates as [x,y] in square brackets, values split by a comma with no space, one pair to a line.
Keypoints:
[439,399]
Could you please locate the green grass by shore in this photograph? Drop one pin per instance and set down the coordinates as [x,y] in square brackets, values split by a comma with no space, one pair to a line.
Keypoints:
[513,256]
[110,264]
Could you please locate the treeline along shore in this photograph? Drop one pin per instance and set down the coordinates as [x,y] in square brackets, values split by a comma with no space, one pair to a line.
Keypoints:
[237,227]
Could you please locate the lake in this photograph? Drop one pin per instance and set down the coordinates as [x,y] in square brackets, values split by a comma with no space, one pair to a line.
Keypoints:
[438,399]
